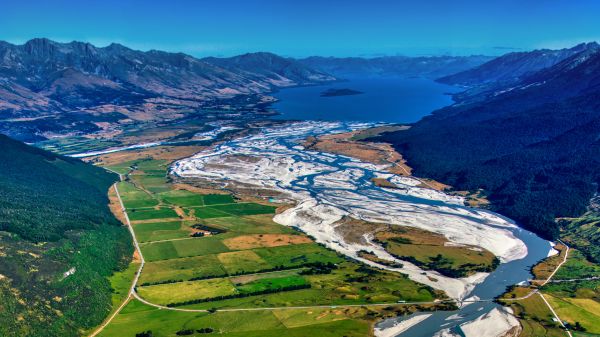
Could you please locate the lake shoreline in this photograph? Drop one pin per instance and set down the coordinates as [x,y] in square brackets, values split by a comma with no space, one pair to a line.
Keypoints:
[389,100]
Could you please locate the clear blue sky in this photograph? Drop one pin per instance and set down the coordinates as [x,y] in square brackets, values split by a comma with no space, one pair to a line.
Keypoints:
[307,27]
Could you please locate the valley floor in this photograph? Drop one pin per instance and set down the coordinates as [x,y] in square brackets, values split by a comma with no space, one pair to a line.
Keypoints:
[215,262]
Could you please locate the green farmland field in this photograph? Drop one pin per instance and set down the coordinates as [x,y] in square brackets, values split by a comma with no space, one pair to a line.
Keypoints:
[152,214]
[251,263]
[156,231]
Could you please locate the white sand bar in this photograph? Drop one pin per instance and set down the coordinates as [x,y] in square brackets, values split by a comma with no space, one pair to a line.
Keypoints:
[402,326]
[326,187]
[496,323]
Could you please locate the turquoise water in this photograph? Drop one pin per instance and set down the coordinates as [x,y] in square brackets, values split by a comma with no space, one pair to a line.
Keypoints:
[405,101]
[495,284]
[393,100]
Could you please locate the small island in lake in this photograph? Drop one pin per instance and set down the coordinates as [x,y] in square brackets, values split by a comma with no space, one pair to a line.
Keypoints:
[340,92]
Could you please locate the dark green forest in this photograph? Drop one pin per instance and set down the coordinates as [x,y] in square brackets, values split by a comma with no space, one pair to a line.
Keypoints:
[59,242]
[534,147]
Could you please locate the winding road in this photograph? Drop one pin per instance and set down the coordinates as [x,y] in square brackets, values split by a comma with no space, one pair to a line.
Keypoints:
[133,293]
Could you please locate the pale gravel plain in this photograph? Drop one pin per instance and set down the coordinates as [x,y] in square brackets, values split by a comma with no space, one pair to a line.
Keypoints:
[399,328]
[325,188]
[496,323]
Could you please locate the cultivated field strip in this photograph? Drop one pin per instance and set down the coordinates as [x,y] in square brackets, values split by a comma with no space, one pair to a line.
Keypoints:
[246,263]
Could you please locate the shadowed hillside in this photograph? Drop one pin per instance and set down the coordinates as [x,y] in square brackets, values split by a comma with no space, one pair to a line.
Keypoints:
[533,146]
[58,243]
[47,87]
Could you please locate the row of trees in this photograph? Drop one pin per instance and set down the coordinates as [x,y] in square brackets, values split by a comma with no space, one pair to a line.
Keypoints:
[241,295]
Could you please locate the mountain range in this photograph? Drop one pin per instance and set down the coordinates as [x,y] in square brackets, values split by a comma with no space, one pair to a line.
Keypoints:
[76,75]
[507,70]
[526,130]
[532,142]
[512,67]
[49,88]
[72,85]
[393,66]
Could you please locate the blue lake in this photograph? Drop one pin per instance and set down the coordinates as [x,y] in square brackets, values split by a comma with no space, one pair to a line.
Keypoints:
[393,100]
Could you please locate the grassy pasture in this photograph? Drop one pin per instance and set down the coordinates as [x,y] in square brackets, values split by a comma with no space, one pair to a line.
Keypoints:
[155,231]
[573,301]
[247,278]
[271,283]
[252,224]
[207,213]
[183,248]
[122,168]
[576,302]
[182,198]
[138,317]
[152,167]
[242,261]
[253,245]
[241,209]
[345,285]
[151,214]
[430,250]
[182,269]
[586,311]
[134,198]
[200,246]
[76,144]
[215,199]
[188,290]
[577,267]
[300,318]
[152,183]
[159,251]
[294,255]
[457,257]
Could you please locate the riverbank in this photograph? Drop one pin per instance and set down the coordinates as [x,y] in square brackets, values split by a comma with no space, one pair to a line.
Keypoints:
[327,187]
[344,297]
[497,319]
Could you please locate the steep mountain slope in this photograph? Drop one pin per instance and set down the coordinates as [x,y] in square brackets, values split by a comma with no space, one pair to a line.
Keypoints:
[403,66]
[126,76]
[534,146]
[514,66]
[51,79]
[278,70]
[58,243]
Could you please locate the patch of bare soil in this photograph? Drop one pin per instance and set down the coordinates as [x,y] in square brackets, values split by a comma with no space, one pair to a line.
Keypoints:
[200,190]
[136,257]
[475,198]
[264,240]
[372,257]
[354,231]
[170,153]
[377,153]
[182,214]
[383,183]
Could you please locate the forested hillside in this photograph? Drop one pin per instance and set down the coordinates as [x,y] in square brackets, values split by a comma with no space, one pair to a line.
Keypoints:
[58,243]
[534,147]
